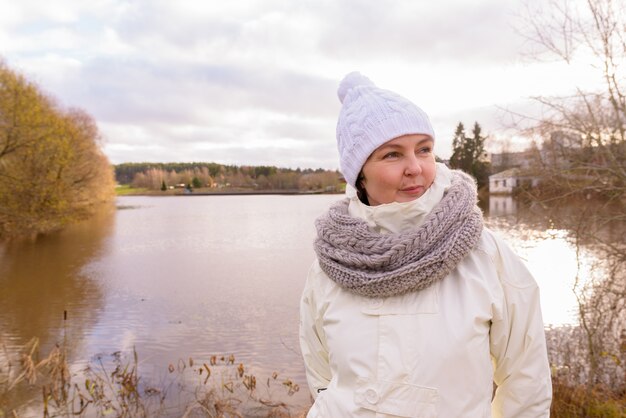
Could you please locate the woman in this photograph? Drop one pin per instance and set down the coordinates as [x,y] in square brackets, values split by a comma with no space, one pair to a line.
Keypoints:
[412,308]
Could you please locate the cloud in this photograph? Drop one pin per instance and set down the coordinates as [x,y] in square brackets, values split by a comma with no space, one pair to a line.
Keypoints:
[475,32]
[218,146]
[257,79]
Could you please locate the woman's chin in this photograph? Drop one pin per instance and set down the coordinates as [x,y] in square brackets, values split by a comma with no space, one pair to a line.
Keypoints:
[403,197]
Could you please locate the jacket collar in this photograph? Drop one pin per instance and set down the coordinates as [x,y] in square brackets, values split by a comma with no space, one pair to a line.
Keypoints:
[391,218]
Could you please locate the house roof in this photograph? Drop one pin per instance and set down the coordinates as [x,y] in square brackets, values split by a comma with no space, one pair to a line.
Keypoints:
[513,172]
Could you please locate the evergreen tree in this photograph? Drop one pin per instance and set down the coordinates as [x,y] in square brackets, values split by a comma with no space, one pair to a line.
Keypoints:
[467,153]
[480,167]
[458,147]
[163,186]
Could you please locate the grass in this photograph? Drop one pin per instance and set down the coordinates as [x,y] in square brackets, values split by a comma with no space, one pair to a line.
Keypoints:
[215,387]
[586,402]
[111,386]
[127,189]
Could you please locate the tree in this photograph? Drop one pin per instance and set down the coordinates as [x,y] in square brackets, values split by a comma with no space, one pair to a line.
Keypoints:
[52,171]
[319,181]
[468,153]
[152,176]
[458,156]
[583,155]
[163,186]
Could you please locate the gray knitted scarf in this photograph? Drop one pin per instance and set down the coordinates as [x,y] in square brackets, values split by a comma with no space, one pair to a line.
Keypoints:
[380,265]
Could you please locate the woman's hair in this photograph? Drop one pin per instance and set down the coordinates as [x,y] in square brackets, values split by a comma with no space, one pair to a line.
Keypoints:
[361,193]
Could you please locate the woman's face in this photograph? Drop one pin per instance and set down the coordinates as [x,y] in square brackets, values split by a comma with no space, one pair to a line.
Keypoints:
[400,170]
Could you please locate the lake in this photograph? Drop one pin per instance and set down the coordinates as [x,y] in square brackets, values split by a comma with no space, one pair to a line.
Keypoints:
[191,276]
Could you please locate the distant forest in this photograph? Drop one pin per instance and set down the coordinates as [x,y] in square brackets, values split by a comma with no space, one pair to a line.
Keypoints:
[163,176]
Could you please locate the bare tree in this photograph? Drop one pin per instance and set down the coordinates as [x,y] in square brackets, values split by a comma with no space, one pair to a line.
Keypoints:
[583,157]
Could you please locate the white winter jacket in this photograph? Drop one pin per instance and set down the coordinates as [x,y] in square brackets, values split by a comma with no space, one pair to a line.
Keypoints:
[433,353]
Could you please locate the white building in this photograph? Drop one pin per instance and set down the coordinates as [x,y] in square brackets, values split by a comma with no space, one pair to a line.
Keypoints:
[506,181]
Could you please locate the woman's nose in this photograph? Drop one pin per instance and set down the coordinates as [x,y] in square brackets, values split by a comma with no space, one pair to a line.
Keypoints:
[413,167]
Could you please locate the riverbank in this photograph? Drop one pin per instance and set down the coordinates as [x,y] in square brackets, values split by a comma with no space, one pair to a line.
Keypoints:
[34,383]
[46,384]
[126,190]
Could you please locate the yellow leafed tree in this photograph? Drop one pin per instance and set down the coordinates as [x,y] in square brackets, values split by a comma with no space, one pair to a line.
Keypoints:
[52,171]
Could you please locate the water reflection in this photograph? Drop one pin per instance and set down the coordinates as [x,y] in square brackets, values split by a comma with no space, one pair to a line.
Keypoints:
[540,234]
[42,280]
[502,206]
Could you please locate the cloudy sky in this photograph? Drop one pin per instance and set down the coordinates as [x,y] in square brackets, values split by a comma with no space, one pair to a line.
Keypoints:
[254,81]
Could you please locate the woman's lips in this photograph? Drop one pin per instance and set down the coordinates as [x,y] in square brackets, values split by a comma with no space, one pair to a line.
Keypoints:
[413,190]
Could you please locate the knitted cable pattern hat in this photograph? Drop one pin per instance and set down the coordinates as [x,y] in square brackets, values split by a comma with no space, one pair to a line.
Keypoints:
[369,117]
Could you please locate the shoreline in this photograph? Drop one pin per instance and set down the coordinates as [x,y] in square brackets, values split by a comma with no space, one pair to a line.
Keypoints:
[232,193]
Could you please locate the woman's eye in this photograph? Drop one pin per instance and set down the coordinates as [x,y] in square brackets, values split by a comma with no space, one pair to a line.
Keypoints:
[424,150]
[392,154]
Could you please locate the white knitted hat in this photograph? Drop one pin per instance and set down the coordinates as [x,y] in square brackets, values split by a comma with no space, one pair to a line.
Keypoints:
[369,117]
